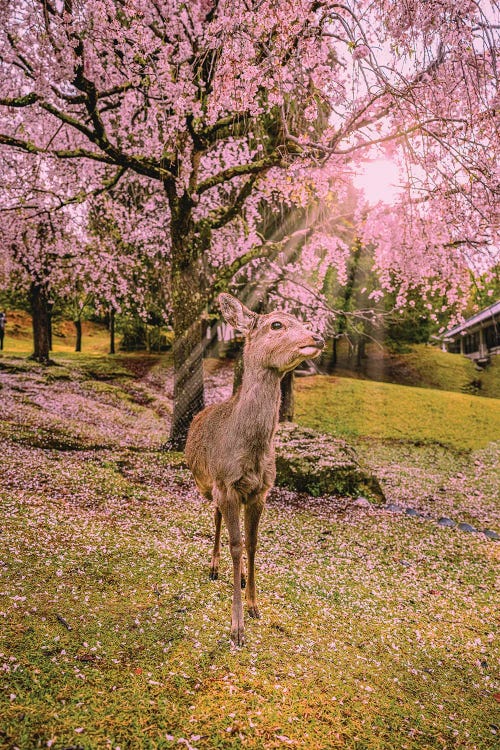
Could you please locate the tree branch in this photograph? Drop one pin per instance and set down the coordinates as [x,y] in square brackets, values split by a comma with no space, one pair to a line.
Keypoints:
[99,136]
[254,167]
[232,125]
[225,275]
[20,101]
[32,148]
[384,139]
[78,198]
[222,216]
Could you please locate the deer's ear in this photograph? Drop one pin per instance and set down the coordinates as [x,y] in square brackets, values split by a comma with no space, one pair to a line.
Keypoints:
[236,314]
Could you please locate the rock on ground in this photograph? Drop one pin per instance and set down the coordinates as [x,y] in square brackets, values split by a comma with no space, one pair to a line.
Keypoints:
[309,461]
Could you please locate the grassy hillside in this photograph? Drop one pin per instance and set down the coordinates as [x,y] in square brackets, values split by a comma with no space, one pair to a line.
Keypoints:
[432,368]
[361,408]
[490,379]
[421,366]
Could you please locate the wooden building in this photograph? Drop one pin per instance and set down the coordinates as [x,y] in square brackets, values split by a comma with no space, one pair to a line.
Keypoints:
[477,337]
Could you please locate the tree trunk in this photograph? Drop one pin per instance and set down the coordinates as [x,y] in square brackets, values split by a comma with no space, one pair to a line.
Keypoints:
[188,303]
[40,314]
[190,245]
[347,303]
[332,362]
[360,353]
[287,405]
[78,326]
[112,331]
[188,357]
[50,306]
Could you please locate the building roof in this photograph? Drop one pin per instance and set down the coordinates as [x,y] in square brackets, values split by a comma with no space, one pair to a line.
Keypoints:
[488,312]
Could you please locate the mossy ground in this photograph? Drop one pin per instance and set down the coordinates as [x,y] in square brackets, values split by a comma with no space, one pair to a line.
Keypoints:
[377,630]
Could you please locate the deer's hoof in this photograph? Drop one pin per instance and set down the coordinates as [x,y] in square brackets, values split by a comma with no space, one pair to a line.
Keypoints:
[254,612]
[214,574]
[238,635]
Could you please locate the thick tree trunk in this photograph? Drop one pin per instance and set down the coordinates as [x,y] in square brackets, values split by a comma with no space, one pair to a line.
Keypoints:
[189,299]
[188,354]
[287,405]
[50,307]
[78,327]
[190,245]
[40,315]
[112,331]
[188,383]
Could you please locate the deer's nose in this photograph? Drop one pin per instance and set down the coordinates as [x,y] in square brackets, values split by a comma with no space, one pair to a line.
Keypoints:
[318,340]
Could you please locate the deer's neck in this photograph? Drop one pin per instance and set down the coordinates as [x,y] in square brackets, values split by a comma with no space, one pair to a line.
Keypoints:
[257,406]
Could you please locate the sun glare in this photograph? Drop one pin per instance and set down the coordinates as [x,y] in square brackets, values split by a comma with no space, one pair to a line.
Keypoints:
[379,180]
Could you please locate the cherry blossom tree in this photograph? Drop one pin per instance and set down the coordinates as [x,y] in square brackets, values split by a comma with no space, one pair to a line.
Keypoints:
[40,246]
[127,270]
[74,253]
[225,104]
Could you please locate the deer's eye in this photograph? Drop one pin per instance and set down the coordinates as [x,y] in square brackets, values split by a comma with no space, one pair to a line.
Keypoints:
[276,325]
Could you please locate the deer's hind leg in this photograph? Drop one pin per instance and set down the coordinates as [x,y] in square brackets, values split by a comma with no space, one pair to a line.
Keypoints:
[215,561]
[211,494]
[214,565]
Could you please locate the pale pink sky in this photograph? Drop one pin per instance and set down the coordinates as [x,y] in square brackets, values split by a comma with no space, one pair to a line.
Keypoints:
[379,180]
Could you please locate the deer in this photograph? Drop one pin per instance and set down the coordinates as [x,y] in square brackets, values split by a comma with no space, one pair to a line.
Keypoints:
[230,445]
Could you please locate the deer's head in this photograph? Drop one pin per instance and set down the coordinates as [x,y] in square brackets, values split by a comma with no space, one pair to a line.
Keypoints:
[276,341]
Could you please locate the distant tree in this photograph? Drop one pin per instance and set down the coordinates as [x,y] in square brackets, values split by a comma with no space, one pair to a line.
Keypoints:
[41,250]
[78,303]
[127,270]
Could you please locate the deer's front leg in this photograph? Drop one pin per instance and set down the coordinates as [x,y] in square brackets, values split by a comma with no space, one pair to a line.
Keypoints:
[253,512]
[230,509]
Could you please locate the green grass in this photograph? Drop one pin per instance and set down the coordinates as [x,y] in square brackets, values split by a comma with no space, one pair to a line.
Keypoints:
[490,378]
[437,369]
[19,342]
[365,409]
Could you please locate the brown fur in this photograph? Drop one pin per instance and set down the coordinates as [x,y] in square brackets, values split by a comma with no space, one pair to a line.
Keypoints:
[230,446]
